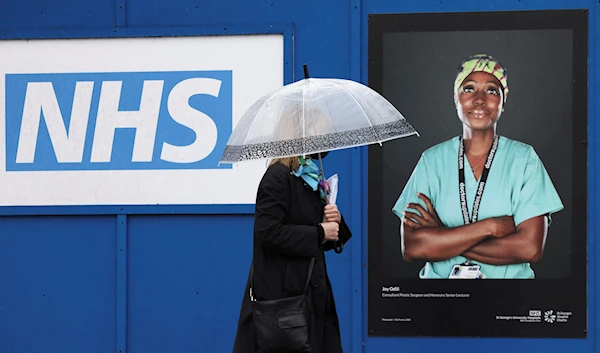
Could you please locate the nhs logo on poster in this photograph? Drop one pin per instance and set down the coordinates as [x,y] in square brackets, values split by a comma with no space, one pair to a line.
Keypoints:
[117,120]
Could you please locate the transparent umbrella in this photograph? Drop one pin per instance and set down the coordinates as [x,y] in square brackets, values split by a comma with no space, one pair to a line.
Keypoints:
[314,115]
[311,116]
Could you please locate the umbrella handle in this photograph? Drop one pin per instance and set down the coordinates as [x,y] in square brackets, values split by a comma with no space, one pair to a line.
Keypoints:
[339,246]
[323,177]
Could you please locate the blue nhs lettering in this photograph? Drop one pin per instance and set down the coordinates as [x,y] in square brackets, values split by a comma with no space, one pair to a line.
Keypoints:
[117,121]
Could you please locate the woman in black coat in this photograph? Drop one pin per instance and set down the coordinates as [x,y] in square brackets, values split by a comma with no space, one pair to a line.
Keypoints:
[289,230]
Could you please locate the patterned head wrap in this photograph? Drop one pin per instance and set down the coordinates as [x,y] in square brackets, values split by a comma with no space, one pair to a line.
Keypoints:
[483,63]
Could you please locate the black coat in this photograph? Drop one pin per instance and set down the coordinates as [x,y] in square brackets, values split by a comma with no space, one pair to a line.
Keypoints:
[286,236]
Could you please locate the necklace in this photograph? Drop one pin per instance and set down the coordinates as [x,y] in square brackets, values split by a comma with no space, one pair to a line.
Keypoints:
[477,165]
[483,158]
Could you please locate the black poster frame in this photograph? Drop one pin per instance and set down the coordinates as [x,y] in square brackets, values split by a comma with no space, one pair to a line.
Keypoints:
[466,318]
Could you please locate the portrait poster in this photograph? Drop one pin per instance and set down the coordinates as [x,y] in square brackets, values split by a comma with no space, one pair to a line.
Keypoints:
[541,157]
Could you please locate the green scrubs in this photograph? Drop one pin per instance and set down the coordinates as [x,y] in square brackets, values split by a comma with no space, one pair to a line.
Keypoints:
[518,185]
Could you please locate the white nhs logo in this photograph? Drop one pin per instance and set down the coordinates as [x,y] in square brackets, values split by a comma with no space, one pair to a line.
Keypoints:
[117,121]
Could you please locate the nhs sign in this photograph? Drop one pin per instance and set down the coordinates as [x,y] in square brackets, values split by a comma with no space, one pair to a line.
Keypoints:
[117,121]
[130,121]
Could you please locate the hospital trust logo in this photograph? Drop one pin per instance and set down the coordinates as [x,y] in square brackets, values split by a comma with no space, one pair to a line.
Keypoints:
[540,316]
[549,316]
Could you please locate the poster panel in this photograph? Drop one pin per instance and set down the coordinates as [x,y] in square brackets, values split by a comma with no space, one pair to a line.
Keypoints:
[528,243]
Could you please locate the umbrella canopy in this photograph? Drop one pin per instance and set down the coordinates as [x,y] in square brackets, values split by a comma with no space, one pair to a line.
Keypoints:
[314,115]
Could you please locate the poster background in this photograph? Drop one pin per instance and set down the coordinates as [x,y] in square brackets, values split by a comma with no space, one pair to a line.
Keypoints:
[413,61]
[419,75]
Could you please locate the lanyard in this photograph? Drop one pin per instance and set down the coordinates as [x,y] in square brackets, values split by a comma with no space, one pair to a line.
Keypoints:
[480,187]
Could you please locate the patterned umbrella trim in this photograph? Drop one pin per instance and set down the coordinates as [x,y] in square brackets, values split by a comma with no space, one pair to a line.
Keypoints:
[315,144]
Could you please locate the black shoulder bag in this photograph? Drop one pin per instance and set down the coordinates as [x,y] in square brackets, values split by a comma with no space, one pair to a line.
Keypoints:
[282,324]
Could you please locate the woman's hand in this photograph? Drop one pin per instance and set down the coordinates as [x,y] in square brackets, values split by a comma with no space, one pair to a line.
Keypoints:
[332,214]
[331,230]
[429,217]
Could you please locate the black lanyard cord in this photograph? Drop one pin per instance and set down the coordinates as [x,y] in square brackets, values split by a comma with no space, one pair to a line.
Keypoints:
[482,181]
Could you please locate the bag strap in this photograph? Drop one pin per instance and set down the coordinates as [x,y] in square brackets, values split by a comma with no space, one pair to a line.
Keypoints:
[310,269]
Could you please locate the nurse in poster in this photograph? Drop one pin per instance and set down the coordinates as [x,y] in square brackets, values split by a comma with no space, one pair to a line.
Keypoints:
[477,205]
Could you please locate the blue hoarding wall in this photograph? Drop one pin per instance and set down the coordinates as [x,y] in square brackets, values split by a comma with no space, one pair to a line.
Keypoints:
[170,278]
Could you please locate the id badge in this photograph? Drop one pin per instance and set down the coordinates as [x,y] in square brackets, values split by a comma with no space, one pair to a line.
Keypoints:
[465,271]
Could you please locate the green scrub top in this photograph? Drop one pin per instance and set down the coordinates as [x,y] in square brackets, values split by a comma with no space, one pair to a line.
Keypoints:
[518,185]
